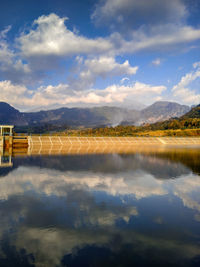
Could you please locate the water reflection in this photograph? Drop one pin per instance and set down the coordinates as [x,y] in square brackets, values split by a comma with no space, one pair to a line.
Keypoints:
[96,210]
[164,164]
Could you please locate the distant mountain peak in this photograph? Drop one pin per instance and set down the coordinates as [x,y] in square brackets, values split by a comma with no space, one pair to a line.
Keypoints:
[162,110]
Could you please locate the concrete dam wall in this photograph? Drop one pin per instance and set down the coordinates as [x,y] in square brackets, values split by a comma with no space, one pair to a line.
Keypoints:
[79,145]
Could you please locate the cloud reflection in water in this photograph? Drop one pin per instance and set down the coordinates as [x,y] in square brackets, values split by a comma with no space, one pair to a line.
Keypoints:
[121,205]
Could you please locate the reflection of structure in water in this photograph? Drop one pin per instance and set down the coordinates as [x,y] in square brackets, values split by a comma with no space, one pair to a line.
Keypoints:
[161,162]
[6,161]
[6,138]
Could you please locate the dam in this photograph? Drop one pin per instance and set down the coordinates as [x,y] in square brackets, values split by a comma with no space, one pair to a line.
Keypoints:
[63,144]
[66,144]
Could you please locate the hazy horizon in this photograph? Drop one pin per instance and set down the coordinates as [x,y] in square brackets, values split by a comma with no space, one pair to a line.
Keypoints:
[136,108]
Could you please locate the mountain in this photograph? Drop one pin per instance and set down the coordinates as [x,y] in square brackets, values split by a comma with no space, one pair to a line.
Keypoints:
[190,120]
[10,115]
[89,117]
[193,113]
[7,113]
[162,110]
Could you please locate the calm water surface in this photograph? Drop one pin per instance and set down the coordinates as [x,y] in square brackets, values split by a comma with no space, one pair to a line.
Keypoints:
[141,209]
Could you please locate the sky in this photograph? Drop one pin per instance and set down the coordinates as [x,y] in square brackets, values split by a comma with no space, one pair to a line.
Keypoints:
[85,53]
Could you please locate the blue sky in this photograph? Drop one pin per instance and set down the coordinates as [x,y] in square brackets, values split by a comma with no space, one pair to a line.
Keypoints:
[126,53]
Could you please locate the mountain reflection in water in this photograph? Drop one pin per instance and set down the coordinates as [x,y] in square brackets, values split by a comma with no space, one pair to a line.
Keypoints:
[140,209]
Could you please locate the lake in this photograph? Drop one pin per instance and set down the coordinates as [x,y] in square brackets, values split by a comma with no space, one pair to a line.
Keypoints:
[135,209]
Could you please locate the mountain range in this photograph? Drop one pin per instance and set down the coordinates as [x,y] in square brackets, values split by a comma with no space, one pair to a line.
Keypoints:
[91,117]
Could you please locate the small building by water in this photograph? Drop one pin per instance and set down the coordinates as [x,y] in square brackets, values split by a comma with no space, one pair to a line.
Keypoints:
[6,136]
[6,130]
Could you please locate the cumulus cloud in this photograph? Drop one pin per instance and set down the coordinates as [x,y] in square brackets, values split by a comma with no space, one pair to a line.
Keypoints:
[182,90]
[52,38]
[48,43]
[16,95]
[11,66]
[122,94]
[103,66]
[98,67]
[62,94]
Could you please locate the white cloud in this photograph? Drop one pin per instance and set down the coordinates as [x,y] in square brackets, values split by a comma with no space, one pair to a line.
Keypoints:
[98,67]
[11,66]
[159,38]
[16,95]
[3,33]
[63,95]
[122,94]
[48,43]
[182,91]
[123,80]
[147,25]
[52,38]
[103,65]
[156,62]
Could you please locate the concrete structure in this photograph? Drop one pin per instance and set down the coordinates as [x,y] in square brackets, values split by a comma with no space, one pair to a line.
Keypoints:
[6,130]
[83,145]
[6,136]
[1,142]
[63,144]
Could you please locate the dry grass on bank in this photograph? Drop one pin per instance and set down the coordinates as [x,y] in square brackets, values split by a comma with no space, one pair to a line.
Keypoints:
[179,132]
